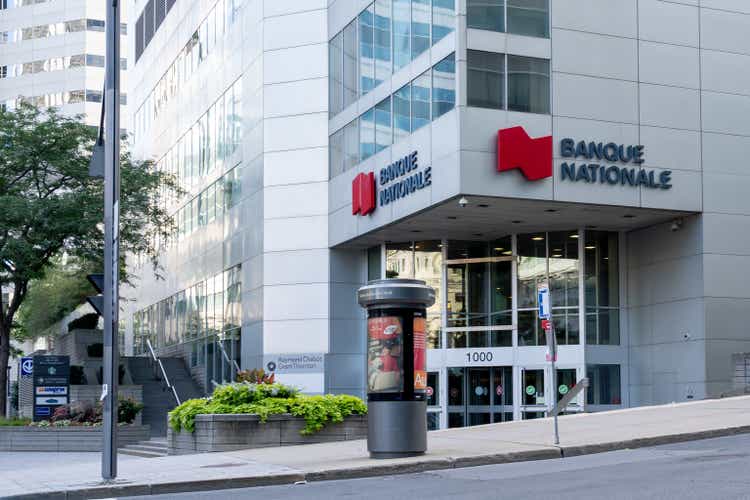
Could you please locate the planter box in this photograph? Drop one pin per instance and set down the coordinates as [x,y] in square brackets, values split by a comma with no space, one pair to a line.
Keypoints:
[242,431]
[66,438]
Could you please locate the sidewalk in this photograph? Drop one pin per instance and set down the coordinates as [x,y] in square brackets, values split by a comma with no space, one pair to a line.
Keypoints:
[488,444]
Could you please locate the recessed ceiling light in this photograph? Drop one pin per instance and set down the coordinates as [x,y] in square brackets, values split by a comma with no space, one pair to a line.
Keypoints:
[538,238]
[483,205]
[507,252]
[516,221]
[574,236]
[416,230]
[452,217]
[556,255]
[557,249]
[590,247]
[499,249]
[629,216]
[551,210]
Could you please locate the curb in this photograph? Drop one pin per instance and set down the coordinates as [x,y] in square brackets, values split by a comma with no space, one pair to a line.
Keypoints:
[118,490]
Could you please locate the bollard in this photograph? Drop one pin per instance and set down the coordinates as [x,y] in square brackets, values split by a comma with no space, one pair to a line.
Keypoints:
[396,366]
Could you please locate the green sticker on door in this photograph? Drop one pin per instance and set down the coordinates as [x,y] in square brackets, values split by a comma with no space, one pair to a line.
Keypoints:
[563,389]
[530,390]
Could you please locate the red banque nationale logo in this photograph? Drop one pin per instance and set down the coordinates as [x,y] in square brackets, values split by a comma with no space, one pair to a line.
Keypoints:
[533,157]
[363,194]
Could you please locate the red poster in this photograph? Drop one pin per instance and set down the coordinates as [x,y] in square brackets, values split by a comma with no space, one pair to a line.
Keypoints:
[420,361]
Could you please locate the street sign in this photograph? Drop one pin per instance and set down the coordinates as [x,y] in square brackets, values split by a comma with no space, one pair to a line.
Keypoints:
[51,384]
[27,366]
[563,389]
[429,391]
[543,298]
[499,390]
[530,390]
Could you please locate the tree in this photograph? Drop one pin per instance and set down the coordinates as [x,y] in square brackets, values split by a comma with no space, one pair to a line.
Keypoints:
[49,205]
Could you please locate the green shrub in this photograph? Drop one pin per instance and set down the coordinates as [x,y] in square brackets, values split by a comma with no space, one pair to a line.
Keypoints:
[14,422]
[268,399]
[127,410]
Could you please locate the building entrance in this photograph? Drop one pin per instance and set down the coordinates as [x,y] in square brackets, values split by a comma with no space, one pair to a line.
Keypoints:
[479,396]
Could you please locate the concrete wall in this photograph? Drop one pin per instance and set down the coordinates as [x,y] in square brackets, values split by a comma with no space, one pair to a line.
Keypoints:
[66,438]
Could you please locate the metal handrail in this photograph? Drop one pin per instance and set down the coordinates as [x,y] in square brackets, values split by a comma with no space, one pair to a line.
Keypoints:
[155,358]
[226,357]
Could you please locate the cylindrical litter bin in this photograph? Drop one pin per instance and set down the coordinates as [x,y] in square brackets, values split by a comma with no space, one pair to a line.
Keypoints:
[396,366]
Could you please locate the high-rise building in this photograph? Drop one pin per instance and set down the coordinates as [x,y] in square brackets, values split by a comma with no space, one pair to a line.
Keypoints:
[52,55]
[597,147]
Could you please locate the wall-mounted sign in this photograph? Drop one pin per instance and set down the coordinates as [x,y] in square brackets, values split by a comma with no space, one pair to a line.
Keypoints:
[312,362]
[398,180]
[27,366]
[51,384]
[594,162]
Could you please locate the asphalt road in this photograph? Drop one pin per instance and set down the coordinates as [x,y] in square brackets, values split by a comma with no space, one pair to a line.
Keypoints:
[710,469]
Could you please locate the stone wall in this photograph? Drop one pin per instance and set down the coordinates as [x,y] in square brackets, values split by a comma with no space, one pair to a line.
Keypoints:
[235,432]
[66,438]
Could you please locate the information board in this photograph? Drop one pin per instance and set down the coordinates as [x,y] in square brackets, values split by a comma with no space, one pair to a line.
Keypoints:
[51,385]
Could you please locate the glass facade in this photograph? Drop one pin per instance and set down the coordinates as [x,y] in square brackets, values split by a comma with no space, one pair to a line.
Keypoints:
[384,37]
[426,98]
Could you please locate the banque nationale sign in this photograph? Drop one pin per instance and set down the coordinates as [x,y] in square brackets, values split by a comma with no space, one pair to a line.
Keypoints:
[587,167]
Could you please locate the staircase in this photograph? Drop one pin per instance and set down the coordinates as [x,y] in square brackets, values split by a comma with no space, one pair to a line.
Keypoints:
[155,447]
[157,399]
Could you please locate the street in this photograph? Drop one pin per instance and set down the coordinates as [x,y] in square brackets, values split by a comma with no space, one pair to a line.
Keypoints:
[708,469]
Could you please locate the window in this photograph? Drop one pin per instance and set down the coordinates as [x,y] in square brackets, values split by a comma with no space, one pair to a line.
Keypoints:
[420,101]
[367,134]
[604,385]
[373,263]
[383,134]
[601,278]
[336,73]
[420,27]
[443,86]
[350,63]
[529,17]
[366,50]
[528,84]
[382,40]
[401,113]
[351,144]
[336,153]
[485,79]
[443,19]
[4,71]
[563,264]
[401,33]
[486,14]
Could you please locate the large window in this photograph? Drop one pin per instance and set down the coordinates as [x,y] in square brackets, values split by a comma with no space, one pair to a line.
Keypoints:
[528,82]
[523,17]
[385,36]
[604,385]
[426,98]
[602,288]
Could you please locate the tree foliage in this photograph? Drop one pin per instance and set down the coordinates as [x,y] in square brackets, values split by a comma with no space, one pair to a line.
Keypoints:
[49,205]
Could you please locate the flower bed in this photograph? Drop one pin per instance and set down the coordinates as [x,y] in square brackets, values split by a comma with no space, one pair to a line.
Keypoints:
[253,415]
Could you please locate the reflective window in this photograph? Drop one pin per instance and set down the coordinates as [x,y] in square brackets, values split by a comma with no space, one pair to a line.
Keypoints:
[420,101]
[401,113]
[373,263]
[528,84]
[382,40]
[350,63]
[486,14]
[336,152]
[383,134]
[563,285]
[529,17]
[443,19]
[367,134]
[336,73]
[420,26]
[443,86]
[602,287]
[366,50]
[604,385]
[351,144]
[401,33]
[486,79]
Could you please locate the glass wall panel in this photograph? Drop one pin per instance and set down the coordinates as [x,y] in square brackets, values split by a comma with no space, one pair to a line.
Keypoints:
[443,86]
[401,33]
[420,26]
[401,113]
[336,152]
[529,17]
[351,144]
[383,135]
[528,84]
[366,22]
[420,100]
[602,287]
[336,73]
[604,385]
[382,40]
[486,79]
[486,14]
[399,260]
[373,263]
[532,267]
[563,268]
[367,134]
[350,63]
[443,19]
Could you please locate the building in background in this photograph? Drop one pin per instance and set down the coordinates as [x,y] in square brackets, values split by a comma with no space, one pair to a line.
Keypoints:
[598,146]
[52,54]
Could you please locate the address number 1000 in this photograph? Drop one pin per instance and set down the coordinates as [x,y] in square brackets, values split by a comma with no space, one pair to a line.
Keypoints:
[478,357]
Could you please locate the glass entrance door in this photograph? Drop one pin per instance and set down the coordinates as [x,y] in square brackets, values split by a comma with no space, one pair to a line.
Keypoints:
[478,396]
[533,403]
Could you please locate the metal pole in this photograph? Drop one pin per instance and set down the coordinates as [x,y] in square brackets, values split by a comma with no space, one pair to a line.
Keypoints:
[111,238]
[554,396]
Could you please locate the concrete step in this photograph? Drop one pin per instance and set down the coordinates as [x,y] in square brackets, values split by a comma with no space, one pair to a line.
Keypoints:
[140,453]
[149,448]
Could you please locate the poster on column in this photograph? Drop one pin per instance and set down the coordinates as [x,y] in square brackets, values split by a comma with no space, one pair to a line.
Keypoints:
[420,361]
